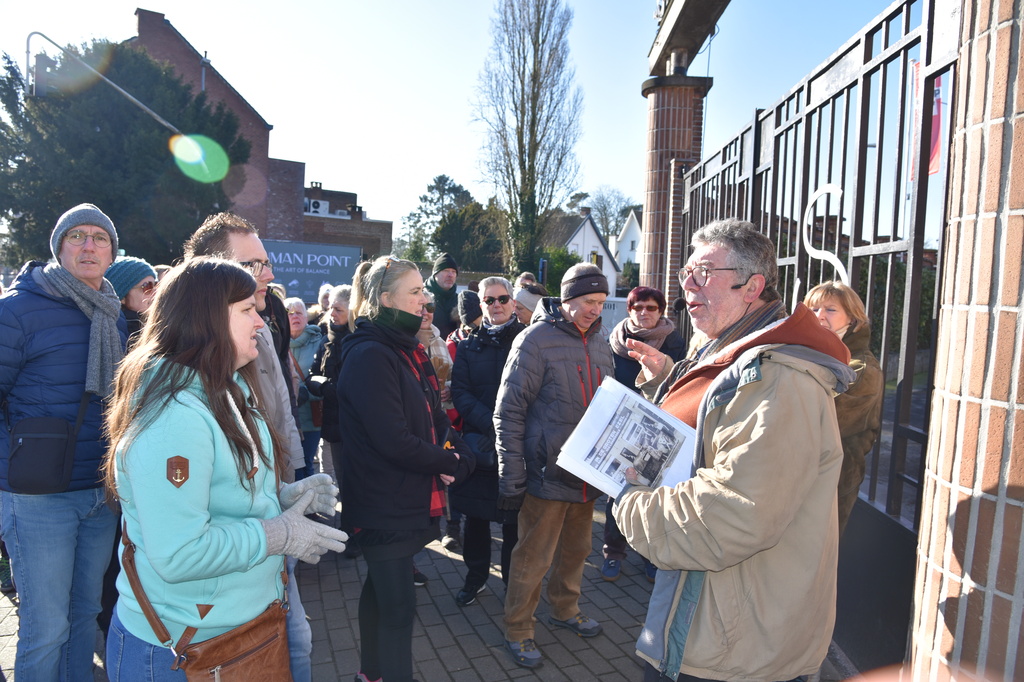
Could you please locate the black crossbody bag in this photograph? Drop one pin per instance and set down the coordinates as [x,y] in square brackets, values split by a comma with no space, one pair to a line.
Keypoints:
[42,453]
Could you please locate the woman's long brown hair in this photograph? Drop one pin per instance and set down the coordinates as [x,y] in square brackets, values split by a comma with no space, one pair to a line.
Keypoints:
[187,336]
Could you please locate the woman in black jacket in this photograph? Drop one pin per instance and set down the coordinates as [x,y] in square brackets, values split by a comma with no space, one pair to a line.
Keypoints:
[646,322]
[399,455]
[322,381]
[475,381]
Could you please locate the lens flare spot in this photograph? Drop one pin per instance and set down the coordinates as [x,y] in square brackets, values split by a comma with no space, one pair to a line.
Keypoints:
[200,158]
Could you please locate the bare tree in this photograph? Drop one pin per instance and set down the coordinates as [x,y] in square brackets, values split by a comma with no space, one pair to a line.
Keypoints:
[606,207]
[532,108]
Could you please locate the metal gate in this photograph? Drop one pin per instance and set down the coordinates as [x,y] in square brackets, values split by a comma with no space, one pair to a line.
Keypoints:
[852,162]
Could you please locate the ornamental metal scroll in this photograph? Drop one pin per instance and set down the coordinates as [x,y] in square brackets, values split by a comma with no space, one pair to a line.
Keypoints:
[805,234]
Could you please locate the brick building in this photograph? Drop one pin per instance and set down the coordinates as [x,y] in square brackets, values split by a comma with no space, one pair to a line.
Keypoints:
[269,192]
[954,565]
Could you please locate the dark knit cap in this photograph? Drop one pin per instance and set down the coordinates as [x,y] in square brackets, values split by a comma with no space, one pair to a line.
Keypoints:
[126,272]
[443,262]
[469,307]
[587,283]
[83,214]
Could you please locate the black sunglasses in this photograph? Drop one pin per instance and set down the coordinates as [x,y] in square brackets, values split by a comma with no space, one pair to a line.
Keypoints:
[503,299]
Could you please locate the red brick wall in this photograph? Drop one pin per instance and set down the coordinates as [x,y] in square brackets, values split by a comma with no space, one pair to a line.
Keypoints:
[675,111]
[970,586]
[248,185]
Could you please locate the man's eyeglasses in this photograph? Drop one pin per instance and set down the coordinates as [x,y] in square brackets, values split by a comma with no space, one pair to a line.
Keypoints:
[256,266]
[503,299]
[699,273]
[640,307]
[429,307]
[148,287]
[78,237]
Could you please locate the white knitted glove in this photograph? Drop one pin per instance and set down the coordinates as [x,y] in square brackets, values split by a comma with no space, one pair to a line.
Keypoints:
[324,491]
[292,534]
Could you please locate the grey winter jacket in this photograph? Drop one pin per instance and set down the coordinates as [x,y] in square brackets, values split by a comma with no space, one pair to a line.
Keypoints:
[548,382]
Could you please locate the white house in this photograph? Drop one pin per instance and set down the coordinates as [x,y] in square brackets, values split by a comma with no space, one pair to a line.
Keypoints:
[628,240]
[584,240]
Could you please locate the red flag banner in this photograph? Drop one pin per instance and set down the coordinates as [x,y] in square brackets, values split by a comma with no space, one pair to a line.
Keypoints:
[935,158]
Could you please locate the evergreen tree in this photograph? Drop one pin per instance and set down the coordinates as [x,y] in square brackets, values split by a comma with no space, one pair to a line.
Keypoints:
[85,142]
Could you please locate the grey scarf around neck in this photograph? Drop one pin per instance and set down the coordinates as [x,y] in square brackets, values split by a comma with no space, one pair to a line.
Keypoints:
[103,309]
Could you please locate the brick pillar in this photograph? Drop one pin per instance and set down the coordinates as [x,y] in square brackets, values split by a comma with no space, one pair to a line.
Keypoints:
[675,116]
[970,586]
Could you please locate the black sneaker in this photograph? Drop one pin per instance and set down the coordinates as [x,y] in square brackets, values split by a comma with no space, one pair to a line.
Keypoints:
[418,579]
[467,595]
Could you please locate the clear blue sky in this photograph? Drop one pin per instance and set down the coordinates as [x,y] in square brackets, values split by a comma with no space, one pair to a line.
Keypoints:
[376,97]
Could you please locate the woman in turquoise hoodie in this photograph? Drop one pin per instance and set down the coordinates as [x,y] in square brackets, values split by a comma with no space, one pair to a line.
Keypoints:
[192,464]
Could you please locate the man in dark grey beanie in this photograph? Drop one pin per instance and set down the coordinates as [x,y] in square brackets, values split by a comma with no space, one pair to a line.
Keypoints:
[62,335]
[442,285]
[555,367]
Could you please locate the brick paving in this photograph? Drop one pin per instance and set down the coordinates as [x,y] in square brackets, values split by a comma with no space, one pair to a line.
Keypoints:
[452,643]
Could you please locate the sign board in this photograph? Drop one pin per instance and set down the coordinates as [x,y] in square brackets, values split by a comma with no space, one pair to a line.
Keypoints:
[614,311]
[302,268]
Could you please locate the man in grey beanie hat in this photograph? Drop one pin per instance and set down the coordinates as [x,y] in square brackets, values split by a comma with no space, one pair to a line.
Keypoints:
[550,377]
[83,214]
[62,335]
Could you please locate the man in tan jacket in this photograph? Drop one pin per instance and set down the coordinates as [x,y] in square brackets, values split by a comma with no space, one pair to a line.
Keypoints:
[747,546]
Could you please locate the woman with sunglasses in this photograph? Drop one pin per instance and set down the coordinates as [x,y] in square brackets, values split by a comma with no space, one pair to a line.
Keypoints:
[646,322]
[476,378]
[134,282]
[437,350]
[398,456]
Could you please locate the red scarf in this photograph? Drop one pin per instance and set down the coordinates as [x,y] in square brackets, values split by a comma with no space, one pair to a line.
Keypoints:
[423,370]
[801,328]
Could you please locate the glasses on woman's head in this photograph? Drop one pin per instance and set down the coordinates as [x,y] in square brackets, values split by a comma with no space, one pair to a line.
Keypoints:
[699,274]
[649,307]
[429,307]
[147,287]
[78,237]
[387,264]
[256,266]
[503,299]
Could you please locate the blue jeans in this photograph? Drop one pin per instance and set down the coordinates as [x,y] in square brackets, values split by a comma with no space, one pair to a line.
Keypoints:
[130,659]
[300,634]
[60,546]
[310,445]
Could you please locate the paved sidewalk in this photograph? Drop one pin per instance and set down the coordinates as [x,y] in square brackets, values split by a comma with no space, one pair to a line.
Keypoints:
[452,643]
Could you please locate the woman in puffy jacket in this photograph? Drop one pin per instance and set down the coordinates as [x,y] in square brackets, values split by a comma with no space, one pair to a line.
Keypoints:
[476,378]
[645,321]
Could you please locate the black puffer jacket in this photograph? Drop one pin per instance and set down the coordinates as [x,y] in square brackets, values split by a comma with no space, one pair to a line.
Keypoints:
[327,364]
[548,382]
[390,412]
[476,378]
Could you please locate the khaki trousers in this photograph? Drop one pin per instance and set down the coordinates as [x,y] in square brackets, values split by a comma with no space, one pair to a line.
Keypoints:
[555,535]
